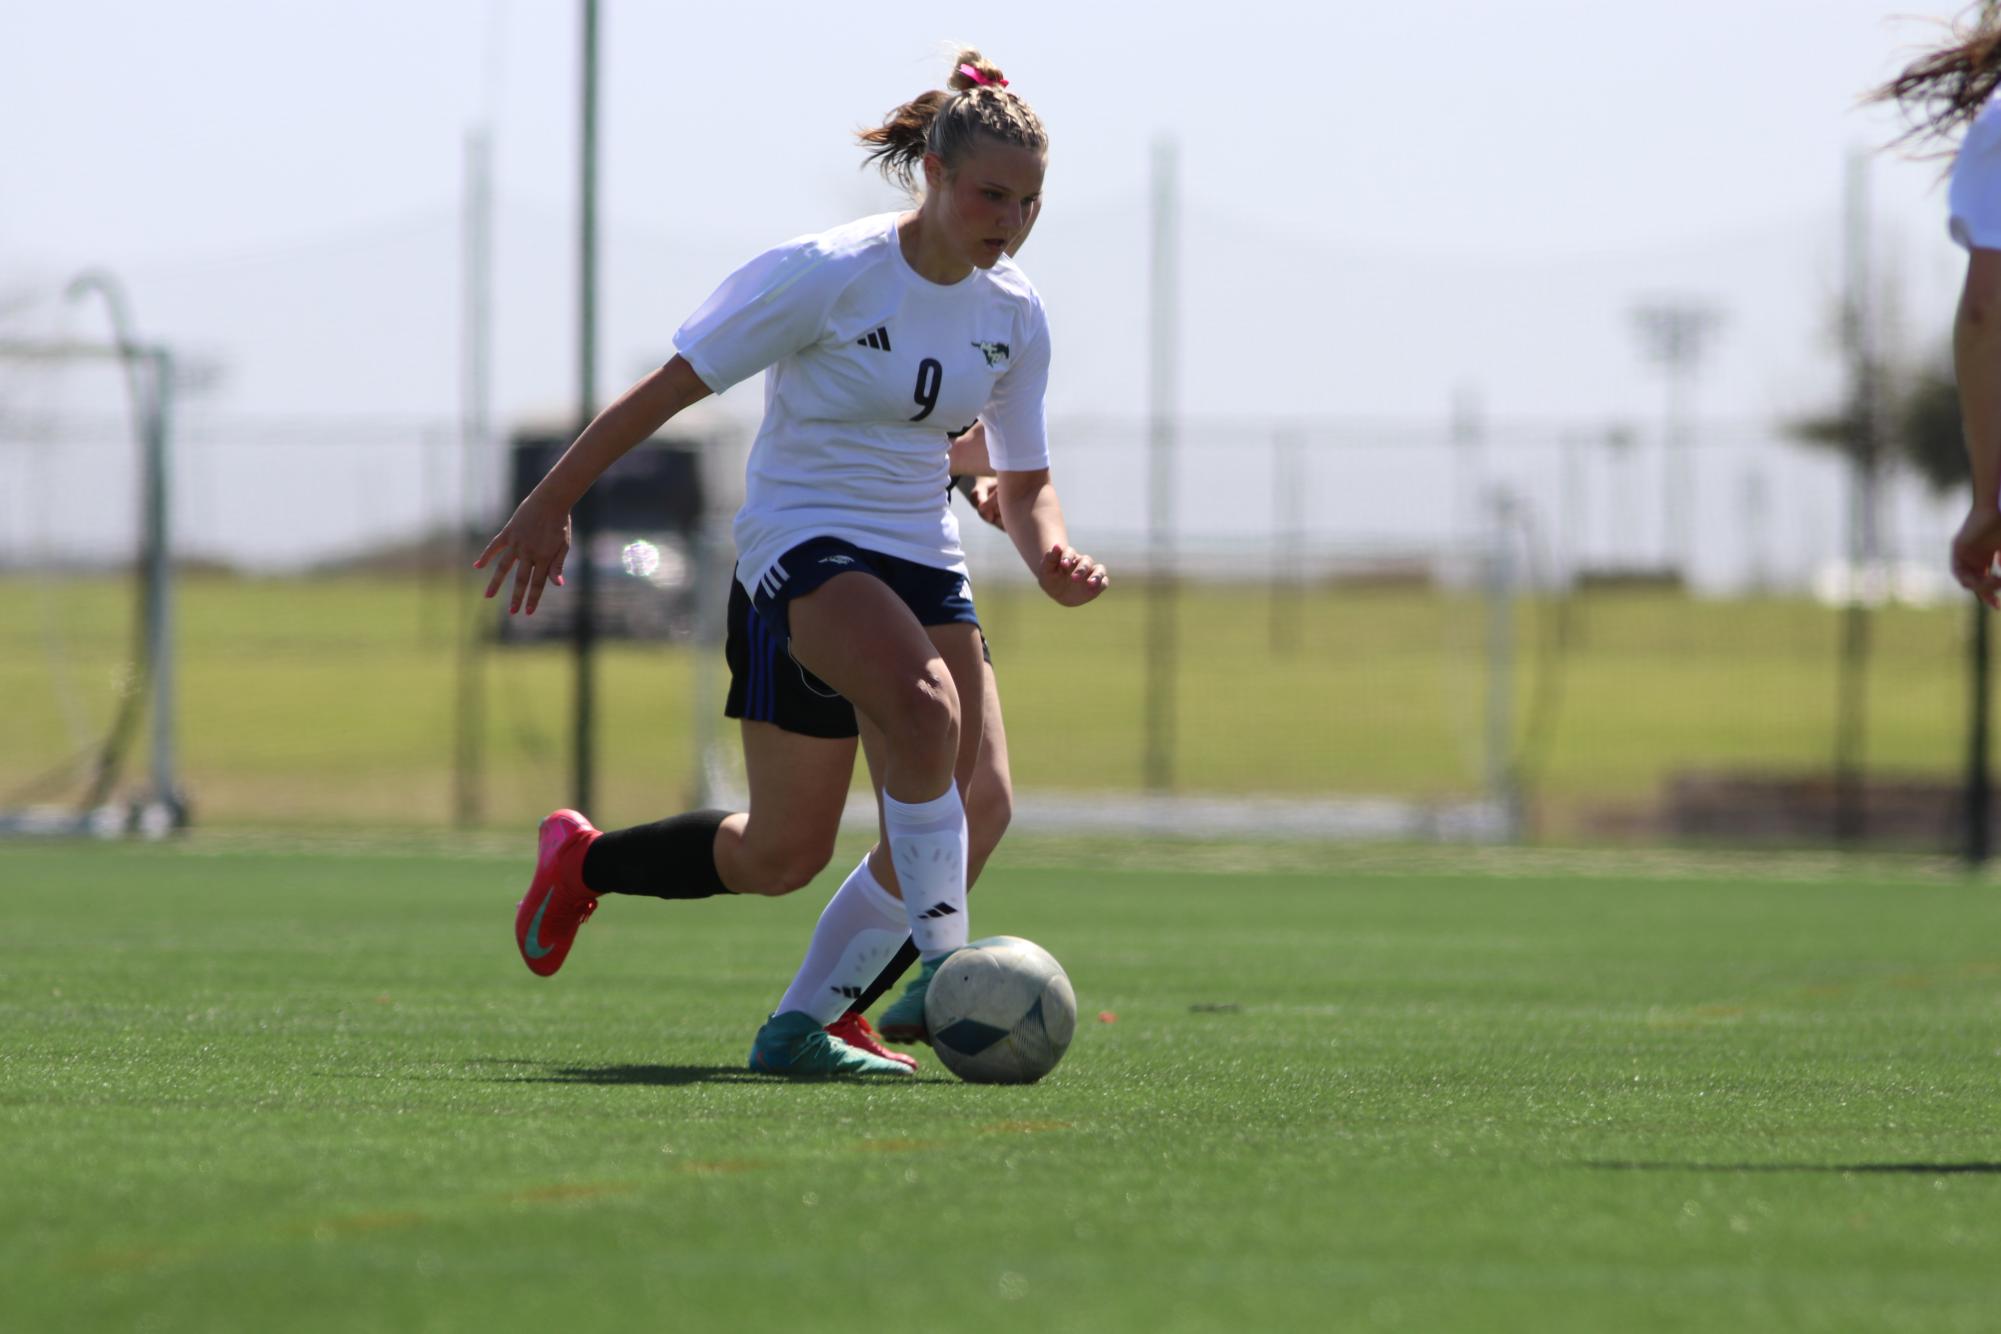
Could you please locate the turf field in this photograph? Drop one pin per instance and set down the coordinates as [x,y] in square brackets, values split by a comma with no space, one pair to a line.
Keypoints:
[250,1084]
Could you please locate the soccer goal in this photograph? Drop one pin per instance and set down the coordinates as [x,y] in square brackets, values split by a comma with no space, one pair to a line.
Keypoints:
[86,646]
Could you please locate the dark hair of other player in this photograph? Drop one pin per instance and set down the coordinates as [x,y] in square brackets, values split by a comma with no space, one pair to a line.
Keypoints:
[1943,90]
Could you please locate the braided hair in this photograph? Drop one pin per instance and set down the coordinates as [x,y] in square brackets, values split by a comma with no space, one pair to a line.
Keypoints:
[948,121]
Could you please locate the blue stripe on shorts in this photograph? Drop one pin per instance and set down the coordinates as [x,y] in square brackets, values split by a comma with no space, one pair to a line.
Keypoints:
[770,674]
[755,693]
[764,695]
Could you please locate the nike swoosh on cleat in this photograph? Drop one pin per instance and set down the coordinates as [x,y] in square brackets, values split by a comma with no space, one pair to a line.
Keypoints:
[534,947]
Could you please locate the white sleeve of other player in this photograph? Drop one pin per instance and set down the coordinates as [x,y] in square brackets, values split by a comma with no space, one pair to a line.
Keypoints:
[1017,431]
[765,311]
[1975,196]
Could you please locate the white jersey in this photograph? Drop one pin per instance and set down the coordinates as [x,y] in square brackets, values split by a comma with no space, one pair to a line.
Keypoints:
[870,366]
[1975,195]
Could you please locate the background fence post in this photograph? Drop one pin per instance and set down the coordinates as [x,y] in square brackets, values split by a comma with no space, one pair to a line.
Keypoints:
[1162,634]
[1979,780]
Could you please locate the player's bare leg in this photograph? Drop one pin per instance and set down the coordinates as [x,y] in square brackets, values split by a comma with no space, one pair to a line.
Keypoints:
[861,945]
[854,633]
[798,789]
[989,795]
[960,645]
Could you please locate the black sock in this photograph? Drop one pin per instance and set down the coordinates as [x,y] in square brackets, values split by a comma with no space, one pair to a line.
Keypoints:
[668,859]
[887,978]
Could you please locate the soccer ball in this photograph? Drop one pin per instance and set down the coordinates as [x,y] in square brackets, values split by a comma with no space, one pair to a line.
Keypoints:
[1000,1011]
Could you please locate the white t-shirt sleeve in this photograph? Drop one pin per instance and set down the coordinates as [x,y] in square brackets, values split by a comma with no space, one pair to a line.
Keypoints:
[1017,430]
[1975,195]
[765,311]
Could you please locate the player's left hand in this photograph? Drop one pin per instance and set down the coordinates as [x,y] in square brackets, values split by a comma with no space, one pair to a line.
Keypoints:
[968,454]
[986,499]
[1070,577]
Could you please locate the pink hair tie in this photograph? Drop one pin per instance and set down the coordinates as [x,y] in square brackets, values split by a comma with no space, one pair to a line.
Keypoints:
[980,78]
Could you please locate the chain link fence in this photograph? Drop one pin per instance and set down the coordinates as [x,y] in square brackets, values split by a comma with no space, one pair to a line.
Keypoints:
[1419,628]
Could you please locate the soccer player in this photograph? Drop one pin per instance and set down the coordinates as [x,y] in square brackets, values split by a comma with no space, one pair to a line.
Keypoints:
[1949,89]
[875,334]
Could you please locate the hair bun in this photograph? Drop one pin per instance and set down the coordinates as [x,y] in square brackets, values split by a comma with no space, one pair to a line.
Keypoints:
[948,123]
[973,70]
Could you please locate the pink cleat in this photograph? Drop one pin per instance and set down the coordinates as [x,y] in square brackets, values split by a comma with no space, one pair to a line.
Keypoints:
[857,1031]
[546,922]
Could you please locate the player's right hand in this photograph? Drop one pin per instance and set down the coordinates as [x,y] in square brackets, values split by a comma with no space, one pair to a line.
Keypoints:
[1974,548]
[533,543]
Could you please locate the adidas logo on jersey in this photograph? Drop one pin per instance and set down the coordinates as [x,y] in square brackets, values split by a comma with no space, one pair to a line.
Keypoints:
[879,340]
[995,353]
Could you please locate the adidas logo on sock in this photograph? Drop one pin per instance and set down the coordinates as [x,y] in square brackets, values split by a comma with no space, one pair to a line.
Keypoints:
[879,339]
[852,993]
[942,910]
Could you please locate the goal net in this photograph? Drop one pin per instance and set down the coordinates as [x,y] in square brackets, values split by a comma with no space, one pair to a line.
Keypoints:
[86,744]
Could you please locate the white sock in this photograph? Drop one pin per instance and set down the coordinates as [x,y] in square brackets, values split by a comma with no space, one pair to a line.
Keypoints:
[858,932]
[927,845]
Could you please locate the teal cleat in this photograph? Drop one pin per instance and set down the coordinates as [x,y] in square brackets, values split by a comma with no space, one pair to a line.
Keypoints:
[903,1021]
[795,1044]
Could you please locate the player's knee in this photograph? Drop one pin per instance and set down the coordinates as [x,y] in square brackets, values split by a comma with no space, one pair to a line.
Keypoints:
[924,728]
[790,865]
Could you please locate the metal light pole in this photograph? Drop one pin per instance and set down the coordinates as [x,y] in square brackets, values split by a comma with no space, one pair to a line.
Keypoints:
[1499,581]
[1162,636]
[584,628]
[1864,453]
[1288,577]
[1674,332]
[469,754]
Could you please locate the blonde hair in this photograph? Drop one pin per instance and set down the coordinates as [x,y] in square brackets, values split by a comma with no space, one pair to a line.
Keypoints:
[950,120]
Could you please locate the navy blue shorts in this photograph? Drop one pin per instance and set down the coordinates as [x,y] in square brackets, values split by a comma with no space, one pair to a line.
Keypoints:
[767,684]
[934,596]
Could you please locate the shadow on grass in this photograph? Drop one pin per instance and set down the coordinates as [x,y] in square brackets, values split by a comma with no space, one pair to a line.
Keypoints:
[1837,1169]
[652,1076]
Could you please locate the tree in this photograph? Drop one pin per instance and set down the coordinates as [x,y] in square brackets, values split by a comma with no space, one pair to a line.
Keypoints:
[1920,426]
[1925,428]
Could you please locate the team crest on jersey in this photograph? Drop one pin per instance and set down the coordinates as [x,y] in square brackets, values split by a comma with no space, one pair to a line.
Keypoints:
[995,353]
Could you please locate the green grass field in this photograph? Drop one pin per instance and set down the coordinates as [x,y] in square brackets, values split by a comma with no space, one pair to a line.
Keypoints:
[330,701]
[254,1084]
